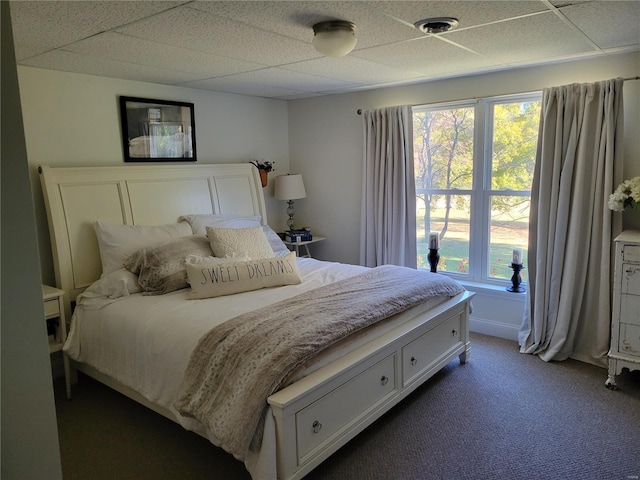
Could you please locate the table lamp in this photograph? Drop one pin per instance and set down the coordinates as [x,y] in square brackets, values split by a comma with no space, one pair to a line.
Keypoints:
[289,188]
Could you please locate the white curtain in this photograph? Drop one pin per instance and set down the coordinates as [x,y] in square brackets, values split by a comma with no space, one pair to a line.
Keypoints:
[388,219]
[578,164]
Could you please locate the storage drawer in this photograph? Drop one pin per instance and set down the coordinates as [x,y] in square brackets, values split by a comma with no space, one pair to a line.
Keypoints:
[630,279]
[631,253]
[347,403]
[51,308]
[629,339]
[630,309]
[420,354]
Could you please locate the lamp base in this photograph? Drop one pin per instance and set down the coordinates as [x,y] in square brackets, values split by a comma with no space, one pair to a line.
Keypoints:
[290,222]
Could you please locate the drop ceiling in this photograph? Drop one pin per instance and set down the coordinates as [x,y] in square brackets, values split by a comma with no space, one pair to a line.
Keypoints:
[264,48]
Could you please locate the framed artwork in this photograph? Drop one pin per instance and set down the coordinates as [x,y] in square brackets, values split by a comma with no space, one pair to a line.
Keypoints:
[157,130]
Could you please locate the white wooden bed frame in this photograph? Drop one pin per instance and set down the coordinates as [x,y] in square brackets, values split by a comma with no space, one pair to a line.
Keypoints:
[319,413]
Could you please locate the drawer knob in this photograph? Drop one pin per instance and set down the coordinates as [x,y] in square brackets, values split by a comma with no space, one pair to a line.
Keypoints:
[454,332]
[317,426]
[413,361]
[384,380]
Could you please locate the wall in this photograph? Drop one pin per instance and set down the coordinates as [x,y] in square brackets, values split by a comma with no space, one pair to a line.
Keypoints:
[326,146]
[29,428]
[73,120]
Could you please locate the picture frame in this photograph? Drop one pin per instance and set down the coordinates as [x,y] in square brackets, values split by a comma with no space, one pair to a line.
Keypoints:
[157,130]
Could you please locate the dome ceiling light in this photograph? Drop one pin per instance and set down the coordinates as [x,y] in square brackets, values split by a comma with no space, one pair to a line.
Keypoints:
[436,24]
[334,38]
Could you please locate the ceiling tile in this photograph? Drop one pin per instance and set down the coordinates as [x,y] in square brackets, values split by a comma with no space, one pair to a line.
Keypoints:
[353,69]
[286,79]
[242,86]
[116,46]
[40,26]
[468,13]
[296,19]
[529,39]
[608,24]
[79,63]
[195,30]
[428,56]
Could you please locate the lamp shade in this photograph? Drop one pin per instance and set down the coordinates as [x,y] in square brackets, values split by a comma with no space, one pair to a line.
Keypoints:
[289,187]
[334,38]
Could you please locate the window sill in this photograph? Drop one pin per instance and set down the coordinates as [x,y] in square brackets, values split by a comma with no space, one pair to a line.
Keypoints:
[496,291]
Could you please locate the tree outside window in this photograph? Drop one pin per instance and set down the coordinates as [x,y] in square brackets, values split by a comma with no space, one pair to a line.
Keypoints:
[474,168]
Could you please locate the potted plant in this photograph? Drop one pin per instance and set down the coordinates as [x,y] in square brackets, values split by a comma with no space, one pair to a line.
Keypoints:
[264,168]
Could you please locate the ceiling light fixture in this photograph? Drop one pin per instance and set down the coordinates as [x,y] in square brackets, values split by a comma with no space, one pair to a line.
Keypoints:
[437,24]
[334,38]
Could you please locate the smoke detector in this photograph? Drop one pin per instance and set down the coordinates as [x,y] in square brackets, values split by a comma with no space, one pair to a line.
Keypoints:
[436,24]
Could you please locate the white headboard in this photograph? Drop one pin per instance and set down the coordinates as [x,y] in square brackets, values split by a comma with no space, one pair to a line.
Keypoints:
[134,195]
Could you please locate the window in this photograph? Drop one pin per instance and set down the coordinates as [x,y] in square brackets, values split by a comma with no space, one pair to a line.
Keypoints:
[474,165]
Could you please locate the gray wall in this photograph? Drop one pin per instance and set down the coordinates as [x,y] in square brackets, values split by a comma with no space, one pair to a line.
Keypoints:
[326,141]
[30,447]
[73,120]
[326,147]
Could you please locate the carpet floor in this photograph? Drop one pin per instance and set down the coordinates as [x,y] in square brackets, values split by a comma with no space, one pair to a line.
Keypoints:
[502,416]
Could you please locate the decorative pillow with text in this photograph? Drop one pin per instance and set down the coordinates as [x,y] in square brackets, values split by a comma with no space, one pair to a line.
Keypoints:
[218,278]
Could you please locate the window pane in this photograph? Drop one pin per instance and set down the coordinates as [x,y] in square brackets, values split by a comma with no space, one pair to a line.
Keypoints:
[443,148]
[447,215]
[509,229]
[515,134]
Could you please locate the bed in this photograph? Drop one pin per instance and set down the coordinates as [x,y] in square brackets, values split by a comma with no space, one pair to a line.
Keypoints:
[144,345]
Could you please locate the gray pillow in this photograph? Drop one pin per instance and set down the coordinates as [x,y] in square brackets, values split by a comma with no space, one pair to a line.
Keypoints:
[160,268]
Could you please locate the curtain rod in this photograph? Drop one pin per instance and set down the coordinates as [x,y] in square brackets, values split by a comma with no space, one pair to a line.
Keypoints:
[359,111]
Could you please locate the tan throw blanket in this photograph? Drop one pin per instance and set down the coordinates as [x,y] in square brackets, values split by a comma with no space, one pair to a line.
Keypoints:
[238,364]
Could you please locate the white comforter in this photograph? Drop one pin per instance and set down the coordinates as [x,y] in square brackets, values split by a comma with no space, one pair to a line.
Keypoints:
[145,342]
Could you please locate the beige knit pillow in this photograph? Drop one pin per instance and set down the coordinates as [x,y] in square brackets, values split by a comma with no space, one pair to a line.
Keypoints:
[227,242]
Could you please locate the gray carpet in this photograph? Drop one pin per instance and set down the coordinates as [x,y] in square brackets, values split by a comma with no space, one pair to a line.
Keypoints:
[503,416]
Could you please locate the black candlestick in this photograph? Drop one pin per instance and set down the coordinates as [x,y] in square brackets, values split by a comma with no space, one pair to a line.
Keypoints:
[515,279]
[433,257]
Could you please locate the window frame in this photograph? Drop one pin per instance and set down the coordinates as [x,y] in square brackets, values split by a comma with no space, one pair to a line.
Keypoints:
[481,192]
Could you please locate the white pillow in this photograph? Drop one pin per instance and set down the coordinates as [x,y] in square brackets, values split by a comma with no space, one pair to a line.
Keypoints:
[227,276]
[119,283]
[118,242]
[225,242]
[277,245]
[200,222]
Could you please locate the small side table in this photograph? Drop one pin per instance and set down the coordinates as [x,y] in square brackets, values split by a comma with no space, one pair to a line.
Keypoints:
[52,298]
[296,246]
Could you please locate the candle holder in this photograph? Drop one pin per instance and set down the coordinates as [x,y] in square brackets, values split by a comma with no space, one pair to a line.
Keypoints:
[433,257]
[515,279]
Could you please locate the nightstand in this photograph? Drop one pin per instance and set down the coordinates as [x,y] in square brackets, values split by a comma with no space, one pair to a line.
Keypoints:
[624,351]
[296,246]
[52,298]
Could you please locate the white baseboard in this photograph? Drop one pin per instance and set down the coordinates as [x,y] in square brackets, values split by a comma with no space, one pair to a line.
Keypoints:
[493,328]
